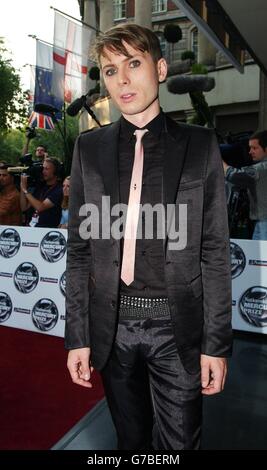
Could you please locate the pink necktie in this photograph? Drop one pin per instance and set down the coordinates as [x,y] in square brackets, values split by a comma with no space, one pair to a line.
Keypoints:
[128,260]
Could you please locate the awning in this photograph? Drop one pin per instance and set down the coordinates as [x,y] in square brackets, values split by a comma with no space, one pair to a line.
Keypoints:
[233,26]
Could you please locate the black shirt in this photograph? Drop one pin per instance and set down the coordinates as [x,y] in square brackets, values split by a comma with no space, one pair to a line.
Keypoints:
[50,217]
[149,278]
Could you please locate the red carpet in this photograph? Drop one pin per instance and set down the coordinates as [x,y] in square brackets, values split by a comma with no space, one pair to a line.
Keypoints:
[38,401]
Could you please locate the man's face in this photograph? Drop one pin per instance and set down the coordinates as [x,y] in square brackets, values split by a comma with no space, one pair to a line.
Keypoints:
[48,171]
[40,152]
[5,179]
[133,82]
[256,151]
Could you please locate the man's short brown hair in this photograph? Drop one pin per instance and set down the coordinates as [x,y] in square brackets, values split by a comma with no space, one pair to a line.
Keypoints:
[261,136]
[139,37]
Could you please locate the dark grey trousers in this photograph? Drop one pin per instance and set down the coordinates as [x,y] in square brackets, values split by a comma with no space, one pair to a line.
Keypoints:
[154,402]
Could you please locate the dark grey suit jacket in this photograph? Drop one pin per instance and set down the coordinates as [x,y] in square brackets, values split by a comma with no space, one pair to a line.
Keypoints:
[198,277]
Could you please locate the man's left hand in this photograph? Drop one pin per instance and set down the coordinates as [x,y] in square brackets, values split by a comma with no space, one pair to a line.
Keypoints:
[213,374]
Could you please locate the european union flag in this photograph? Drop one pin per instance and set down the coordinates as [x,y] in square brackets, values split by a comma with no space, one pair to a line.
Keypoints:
[43,94]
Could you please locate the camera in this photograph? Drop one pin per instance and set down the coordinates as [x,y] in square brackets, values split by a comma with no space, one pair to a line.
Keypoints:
[31,168]
[30,132]
[235,151]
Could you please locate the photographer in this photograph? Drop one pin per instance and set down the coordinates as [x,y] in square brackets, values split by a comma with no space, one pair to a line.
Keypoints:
[254,179]
[41,151]
[10,213]
[44,205]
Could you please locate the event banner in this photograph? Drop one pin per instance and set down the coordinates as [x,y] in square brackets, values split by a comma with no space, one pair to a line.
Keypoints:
[32,279]
[249,284]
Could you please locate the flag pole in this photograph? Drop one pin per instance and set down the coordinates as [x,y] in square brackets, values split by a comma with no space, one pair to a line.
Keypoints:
[33,36]
[52,45]
[79,21]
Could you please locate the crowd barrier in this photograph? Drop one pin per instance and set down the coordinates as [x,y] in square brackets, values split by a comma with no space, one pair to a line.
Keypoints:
[32,281]
[249,285]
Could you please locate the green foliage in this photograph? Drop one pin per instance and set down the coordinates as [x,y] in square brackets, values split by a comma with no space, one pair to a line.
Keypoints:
[13,120]
[203,114]
[54,141]
[13,101]
[94,73]
[188,55]
[199,69]
[11,144]
[172,33]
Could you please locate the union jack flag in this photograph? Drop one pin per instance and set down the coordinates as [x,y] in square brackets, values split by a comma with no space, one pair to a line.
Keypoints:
[41,121]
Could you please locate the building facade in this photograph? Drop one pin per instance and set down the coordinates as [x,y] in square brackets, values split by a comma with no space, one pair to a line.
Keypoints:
[234,101]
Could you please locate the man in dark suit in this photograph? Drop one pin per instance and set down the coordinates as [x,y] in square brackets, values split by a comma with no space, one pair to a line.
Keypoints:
[153,315]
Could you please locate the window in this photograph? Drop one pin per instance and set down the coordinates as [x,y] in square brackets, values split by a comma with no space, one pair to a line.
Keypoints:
[159,6]
[194,41]
[119,9]
[176,51]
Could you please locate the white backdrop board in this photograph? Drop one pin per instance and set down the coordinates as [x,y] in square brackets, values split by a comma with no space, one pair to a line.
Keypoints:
[249,283]
[32,279]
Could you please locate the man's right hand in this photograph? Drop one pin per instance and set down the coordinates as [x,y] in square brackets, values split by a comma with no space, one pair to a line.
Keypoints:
[79,366]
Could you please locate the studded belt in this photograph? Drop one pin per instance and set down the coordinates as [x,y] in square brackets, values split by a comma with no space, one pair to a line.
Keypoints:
[141,307]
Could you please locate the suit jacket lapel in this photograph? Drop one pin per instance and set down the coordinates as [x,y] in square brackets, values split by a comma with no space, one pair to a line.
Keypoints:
[175,152]
[176,141]
[108,157]
[108,162]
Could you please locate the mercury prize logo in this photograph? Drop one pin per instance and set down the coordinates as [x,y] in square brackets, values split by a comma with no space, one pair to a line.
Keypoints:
[53,246]
[238,260]
[253,306]
[26,277]
[5,307]
[45,314]
[62,283]
[9,242]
